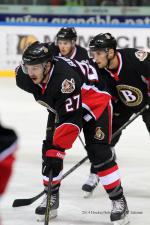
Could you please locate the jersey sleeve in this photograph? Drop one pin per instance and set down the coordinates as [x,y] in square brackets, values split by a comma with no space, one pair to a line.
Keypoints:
[68,107]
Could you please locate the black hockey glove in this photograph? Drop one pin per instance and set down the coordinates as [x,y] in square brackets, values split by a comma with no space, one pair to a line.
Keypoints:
[52,159]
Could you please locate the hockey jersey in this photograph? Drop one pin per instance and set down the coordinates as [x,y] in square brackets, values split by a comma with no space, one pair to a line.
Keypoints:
[67,94]
[131,81]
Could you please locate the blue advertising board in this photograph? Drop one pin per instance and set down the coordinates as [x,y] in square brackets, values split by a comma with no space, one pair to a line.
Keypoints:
[76,19]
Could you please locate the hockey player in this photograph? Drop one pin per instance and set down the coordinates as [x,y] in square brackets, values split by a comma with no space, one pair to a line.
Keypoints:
[127,75]
[8,146]
[66,46]
[61,85]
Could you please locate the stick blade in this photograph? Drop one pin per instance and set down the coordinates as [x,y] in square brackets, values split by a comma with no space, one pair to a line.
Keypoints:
[21,202]
[26,201]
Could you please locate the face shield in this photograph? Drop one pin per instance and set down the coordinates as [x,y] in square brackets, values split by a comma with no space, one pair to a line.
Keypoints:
[33,69]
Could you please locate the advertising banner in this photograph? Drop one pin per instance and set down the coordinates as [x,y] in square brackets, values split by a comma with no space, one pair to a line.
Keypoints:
[14,39]
[75,19]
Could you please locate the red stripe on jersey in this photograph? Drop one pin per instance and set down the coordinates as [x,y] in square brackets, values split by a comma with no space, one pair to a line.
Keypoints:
[55,154]
[65,135]
[148,83]
[109,123]
[148,80]
[108,171]
[95,100]
[112,185]
[5,171]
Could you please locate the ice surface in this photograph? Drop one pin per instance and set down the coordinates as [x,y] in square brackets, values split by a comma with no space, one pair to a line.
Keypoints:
[19,110]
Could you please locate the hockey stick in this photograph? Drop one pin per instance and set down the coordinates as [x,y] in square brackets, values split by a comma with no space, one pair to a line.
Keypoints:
[48,205]
[29,201]
[24,202]
[132,118]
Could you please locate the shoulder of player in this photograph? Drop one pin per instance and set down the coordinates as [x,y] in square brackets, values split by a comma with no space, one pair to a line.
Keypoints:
[54,49]
[80,48]
[64,69]
[64,76]
[127,51]
[133,52]
[63,62]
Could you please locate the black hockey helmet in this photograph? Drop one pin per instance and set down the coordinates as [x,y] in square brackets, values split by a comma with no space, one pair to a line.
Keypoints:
[37,53]
[103,41]
[67,33]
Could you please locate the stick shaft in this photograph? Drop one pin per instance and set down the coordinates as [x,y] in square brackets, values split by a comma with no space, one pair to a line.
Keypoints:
[48,204]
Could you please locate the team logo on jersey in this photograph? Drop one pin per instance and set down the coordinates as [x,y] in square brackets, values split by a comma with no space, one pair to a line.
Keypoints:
[99,134]
[68,86]
[129,95]
[141,55]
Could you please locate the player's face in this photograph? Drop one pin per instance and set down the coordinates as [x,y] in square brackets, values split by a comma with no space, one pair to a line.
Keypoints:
[100,56]
[65,47]
[37,73]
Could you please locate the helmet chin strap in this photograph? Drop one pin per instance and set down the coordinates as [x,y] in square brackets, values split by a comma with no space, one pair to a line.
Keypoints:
[109,60]
[44,74]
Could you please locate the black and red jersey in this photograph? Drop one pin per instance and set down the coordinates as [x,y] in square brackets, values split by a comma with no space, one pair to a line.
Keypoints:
[131,81]
[66,94]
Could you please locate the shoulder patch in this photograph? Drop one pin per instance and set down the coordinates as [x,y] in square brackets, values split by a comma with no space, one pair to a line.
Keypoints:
[68,86]
[141,55]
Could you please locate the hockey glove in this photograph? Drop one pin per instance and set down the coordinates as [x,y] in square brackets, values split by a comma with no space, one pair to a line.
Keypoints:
[52,159]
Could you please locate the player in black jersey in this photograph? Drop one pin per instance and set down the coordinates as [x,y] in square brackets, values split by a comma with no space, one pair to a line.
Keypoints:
[126,73]
[66,46]
[62,86]
[8,146]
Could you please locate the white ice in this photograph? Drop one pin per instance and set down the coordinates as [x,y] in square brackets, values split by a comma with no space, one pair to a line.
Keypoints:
[19,110]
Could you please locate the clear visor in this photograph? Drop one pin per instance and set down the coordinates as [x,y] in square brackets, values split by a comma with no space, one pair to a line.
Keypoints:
[92,52]
[30,69]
